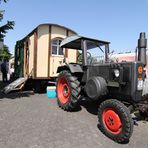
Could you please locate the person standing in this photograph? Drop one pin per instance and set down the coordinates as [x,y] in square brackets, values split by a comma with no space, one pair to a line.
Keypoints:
[4,70]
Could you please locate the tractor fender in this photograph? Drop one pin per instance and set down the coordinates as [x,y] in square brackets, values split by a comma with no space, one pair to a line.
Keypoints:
[73,68]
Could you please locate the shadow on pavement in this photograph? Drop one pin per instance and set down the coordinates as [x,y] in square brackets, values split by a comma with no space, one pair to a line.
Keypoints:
[140,117]
[91,107]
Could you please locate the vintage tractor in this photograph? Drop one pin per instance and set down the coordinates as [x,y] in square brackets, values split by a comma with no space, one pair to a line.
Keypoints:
[117,86]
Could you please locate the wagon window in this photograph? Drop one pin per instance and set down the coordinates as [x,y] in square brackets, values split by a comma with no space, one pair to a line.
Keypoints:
[56,50]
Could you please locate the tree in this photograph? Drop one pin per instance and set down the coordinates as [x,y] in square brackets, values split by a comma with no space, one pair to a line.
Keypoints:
[79,57]
[7,26]
[4,1]
[5,53]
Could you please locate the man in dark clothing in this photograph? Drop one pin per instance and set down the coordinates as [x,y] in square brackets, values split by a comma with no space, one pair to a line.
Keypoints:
[4,70]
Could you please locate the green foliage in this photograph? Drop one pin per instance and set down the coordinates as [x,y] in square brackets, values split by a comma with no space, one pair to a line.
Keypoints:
[3,0]
[7,26]
[4,28]
[5,53]
[79,58]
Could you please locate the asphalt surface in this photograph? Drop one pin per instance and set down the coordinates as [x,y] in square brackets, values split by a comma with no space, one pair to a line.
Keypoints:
[30,120]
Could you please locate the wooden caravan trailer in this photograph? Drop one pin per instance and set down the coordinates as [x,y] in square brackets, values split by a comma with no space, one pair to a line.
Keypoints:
[38,54]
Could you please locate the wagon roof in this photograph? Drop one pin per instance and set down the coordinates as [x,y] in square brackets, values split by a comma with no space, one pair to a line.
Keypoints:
[74,42]
[50,24]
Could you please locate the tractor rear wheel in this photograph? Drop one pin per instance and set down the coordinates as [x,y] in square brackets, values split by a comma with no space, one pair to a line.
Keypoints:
[115,120]
[68,91]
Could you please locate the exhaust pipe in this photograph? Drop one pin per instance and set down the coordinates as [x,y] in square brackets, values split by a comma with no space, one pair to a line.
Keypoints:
[142,45]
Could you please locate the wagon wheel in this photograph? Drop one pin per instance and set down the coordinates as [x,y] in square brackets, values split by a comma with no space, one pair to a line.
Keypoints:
[68,91]
[115,120]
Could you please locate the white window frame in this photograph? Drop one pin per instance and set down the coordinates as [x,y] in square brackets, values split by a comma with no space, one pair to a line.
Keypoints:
[57,47]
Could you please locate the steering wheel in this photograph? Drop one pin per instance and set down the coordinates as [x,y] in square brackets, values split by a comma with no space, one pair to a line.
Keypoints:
[80,57]
[88,55]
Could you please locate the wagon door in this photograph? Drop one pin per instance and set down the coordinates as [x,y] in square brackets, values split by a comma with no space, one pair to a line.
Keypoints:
[57,56]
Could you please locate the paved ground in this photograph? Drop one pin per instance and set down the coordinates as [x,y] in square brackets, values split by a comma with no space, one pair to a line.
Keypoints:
[34,121]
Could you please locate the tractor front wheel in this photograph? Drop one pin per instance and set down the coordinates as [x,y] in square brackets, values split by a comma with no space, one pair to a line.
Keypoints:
[115,120]
[68,91]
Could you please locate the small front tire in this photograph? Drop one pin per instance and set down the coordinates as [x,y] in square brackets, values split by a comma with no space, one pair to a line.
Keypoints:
[115,120]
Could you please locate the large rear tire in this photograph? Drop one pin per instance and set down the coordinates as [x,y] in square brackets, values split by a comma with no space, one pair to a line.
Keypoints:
[115,120]
[68,91]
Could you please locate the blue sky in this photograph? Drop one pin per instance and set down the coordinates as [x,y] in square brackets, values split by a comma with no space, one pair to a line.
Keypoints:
[119,22]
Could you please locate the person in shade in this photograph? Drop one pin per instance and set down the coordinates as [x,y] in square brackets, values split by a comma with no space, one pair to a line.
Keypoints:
[4,70]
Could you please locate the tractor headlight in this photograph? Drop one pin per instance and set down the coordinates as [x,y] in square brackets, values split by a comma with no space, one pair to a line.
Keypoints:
[116,73]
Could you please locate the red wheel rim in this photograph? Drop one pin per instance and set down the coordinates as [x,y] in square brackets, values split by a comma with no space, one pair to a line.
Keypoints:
[112,121]
[63,90]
